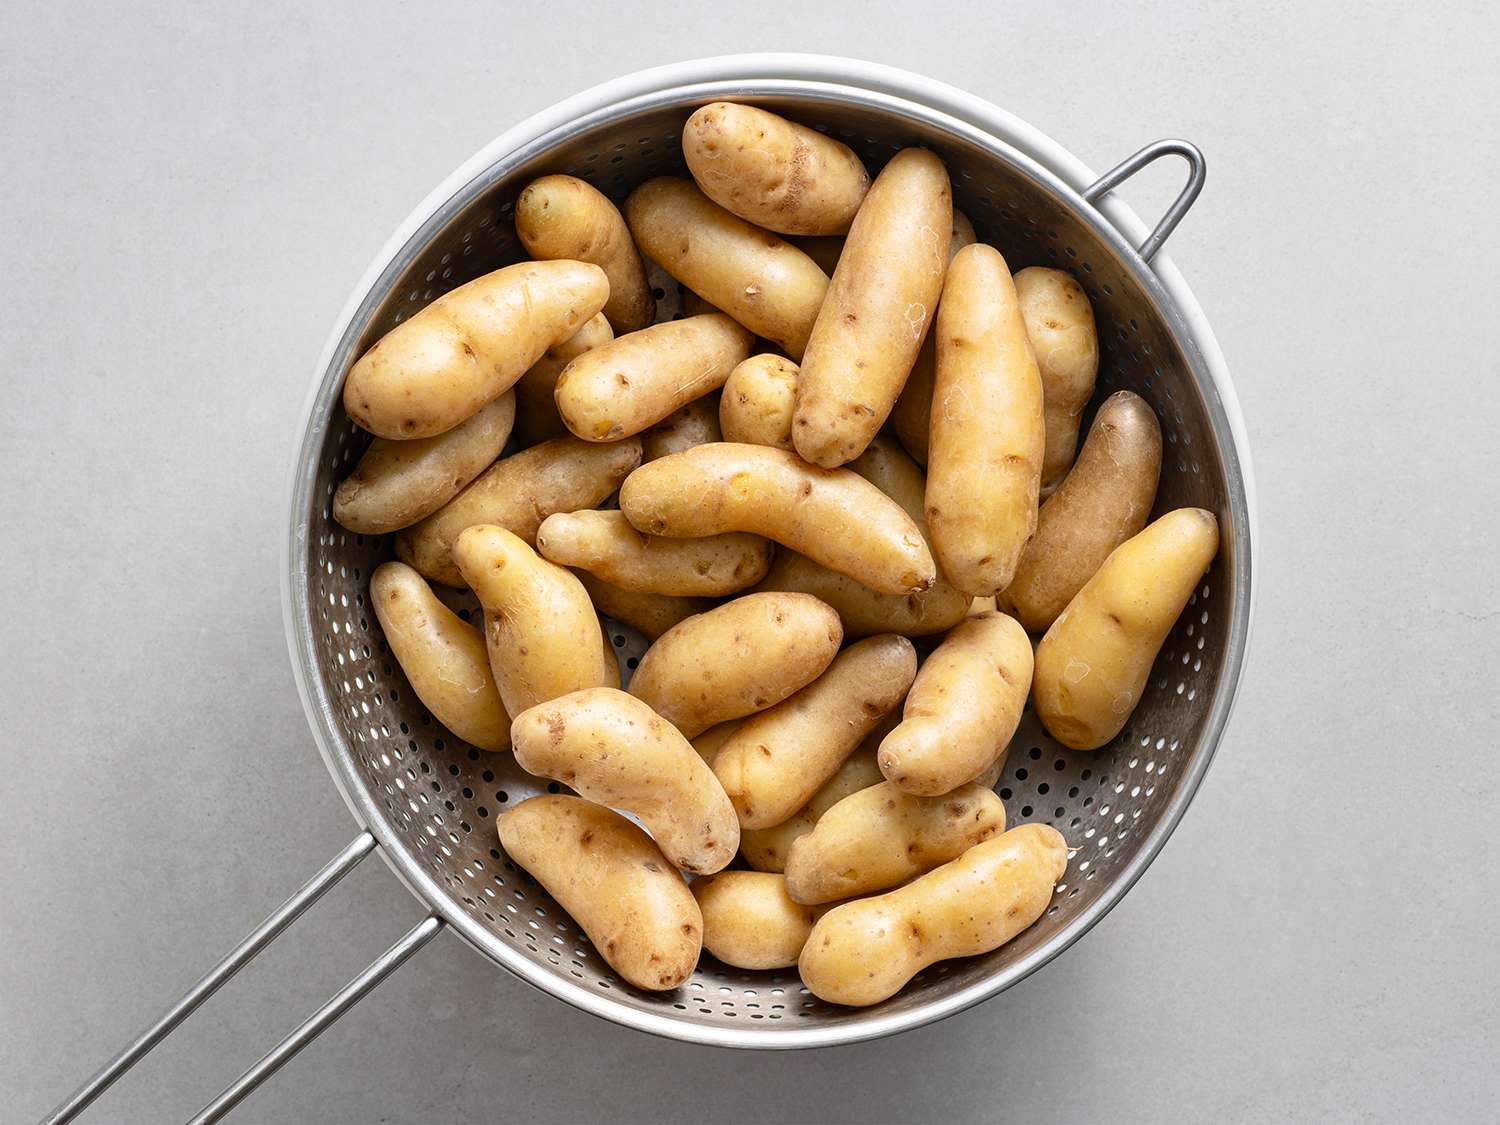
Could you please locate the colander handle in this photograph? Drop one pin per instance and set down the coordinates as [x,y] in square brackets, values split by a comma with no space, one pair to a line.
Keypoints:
[1197,173]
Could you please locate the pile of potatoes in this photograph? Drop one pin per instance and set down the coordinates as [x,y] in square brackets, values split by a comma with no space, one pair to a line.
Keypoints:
[864,433]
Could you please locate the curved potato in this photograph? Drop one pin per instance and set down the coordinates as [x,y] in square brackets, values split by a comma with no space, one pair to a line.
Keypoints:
[880,837]
[539,625]
[613,749]
[442,656]
[749,922]
[697,423]
[865,951]
[614,881]
[766,849]
[764,282]
[963,708]
[744,656]
[564,217]
[756,407]
[397,483]
[984,460]
[1093,663]
[775,761]
[1104,500]
[605,544]
[537,419]
[831,515]
[517,494]
[876,311]
[773,172]
[651,615]
[469,347]
[1060,325]
[632,382]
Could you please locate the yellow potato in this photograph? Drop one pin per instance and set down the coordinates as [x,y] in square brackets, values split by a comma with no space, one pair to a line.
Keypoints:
[962,709]
[635,381]
[611,659]
[651,615]
[1104,500]
[766,849]
[613,749]
[832,516]
[865,951]
[707,744]
[1060,324]
[616,884]
[397,483]
[963,233]
[539,625]
[984,459]
[697,423]
[774,762]
[1093,664]
[773,172]
[605,544]
[537,418]
[744,656]
[749,922]
[518,493]
[442,656]
[826,250]
[756,407]
[877,310]
[763,281]
[469,347]
[983,605]
[563,217]
[880,837]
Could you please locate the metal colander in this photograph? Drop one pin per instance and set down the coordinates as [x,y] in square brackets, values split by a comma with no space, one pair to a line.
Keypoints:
[428,801]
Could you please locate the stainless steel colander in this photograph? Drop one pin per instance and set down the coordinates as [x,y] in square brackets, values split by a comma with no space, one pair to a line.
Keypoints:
[428,802]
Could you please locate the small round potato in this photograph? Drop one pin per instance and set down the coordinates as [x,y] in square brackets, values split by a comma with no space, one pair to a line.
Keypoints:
[614,881]
[756,407]
[651,615]
[697,423]
[865,951]
[744,656]
[1104,500]
[1060,325]
[613,749]
[749,922]
[397,483]
[766,849]
[1093,664]
[537,419]
[469,347]
[604,544]
[564,217]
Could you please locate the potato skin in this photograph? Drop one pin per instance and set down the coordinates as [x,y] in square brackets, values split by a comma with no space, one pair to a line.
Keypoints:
[1104,500]
[651,615]
[877,310]
[517,493]
[540,628]
[749,922]
[766,849]
[775,761]
[762,281]
[865,951]
[1060,325]
[537,419]
[880,837]
[832,516]
[1093,663]
[756,407]
[773,172]
[744,656]
[613,749]
[963,708]
[469,347]
[697,423]
[622,387]
[397,483]
[614,881]
[984,460]
[604,543]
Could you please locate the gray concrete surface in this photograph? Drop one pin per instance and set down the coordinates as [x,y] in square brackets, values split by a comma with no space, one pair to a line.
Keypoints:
[188,194]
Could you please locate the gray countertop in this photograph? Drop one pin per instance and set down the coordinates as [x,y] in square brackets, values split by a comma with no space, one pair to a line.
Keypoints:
[188,196]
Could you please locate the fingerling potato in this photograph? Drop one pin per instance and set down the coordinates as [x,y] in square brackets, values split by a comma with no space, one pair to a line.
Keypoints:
[537,419]
[1060,325]
[749,922]
[605,544]
[651,615]
[756,407]
[766,849]
[697,423]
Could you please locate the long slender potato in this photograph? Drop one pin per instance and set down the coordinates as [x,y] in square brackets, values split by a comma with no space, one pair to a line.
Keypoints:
[763,281]
[605,544]
[469,347]
[621,388]
[756,407]
[766,849]
[826,251]
[1093,663]
[697,423]
[749,922]
[877,310]
[830,515]
[963,708]
[564,217]
[537,419]
[651,615]
[774,762]
[518,493]
[1060,325]
[614,881]
[397,483]
[1104,500]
